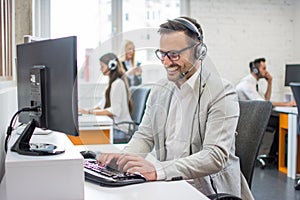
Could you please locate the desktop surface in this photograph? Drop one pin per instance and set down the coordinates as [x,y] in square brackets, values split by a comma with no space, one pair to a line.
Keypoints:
[286,109]
[54,176]
[149,190]
[175,190]
[94,120]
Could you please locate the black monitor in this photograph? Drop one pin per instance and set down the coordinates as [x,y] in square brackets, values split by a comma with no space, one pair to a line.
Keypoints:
[292,73]
[47,77]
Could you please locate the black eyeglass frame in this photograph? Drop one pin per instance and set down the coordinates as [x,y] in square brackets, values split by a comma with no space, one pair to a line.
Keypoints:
[174,52]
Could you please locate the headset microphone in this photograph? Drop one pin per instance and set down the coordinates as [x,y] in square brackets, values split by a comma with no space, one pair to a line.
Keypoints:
[183,74]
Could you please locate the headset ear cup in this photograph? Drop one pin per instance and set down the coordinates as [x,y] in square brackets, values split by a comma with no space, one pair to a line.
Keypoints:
[255,71]
[112,65]
[200,51]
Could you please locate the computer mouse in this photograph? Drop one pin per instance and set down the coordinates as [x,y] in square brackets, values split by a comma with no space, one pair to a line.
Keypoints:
[88,154]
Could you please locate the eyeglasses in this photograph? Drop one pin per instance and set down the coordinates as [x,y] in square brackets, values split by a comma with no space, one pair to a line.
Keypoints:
[173,55]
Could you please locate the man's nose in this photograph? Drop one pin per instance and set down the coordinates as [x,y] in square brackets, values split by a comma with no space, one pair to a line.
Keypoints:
[166,62]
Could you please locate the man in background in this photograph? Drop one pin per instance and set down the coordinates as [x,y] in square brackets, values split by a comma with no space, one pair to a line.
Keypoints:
[247,89]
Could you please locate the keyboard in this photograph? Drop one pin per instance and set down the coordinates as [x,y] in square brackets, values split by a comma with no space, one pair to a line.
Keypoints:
[106,176]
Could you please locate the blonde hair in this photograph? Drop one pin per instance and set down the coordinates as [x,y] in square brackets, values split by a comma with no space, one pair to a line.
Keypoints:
[127,43]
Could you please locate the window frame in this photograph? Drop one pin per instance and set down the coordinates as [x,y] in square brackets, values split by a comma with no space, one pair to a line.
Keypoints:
[6,40]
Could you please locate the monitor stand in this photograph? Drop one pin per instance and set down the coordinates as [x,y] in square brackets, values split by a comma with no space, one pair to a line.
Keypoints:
[22,145]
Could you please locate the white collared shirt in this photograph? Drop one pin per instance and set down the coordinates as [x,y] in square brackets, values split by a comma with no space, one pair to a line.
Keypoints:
[246,89]
[180,118]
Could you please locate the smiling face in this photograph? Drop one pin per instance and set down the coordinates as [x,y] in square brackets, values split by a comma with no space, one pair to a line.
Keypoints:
[177,41]
[129,51]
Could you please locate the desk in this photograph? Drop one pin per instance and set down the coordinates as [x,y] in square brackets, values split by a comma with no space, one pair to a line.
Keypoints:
[175,190]
[288,125]
[150,190]
[94,129]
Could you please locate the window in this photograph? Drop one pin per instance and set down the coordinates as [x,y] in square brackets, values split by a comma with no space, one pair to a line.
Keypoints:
[102,26]
[100,22]
[6,40]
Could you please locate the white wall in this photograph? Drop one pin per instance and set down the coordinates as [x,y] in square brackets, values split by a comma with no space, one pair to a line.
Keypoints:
[8,106]
[238,31]
[297,31]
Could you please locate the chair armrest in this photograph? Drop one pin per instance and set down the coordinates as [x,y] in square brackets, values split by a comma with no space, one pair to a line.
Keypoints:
[132,126]
[223,196]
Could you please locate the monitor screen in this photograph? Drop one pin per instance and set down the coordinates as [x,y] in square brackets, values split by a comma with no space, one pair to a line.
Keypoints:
[292,74]
[47,76]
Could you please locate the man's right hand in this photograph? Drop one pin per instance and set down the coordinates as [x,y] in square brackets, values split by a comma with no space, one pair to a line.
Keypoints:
[268,77]
[291,103]
[129,163]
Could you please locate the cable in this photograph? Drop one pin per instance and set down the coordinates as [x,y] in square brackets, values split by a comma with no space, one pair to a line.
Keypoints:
[10,127]
[198,103]
[201,139]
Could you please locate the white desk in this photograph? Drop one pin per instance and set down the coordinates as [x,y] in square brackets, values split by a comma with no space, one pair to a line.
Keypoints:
[292,139]
[53,176]
[175,190]
[94,129]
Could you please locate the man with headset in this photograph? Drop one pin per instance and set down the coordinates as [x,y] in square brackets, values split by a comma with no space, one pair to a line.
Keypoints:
[189,121]
[247,89]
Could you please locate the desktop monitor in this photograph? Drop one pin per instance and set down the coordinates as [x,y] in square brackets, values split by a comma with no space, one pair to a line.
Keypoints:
[47,77]
[292,73]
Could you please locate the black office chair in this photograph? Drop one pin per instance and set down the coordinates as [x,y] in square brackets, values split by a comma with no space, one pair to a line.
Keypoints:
[296,93]
[272,128]
[253,120]
[139,96]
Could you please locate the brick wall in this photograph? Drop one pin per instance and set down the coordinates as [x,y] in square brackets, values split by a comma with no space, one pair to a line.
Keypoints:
[238,31]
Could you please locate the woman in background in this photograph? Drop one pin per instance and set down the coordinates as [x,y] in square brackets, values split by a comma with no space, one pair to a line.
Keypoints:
[117,96]
[132,68]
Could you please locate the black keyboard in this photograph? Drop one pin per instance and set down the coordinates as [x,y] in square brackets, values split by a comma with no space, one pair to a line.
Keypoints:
[107,176]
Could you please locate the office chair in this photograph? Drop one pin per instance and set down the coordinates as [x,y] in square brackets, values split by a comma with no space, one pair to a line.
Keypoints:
[252,123]
[272,128]
[139,96]
[296,93]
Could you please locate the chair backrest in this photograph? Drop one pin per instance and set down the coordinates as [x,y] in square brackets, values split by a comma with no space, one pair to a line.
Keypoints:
[139,96]
[253,120]
[296,93]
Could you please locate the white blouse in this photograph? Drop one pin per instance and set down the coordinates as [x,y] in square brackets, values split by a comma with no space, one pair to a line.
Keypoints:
[119,104]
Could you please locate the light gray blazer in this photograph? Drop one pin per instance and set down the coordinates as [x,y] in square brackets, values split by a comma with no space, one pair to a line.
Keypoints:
[215,155]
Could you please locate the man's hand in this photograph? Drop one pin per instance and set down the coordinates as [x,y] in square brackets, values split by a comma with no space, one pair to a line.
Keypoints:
[268,77]
[130,163]
[291,103]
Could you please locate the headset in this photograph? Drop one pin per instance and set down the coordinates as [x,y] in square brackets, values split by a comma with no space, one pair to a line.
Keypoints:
[112,65]
[254,69]
[200,53]
[201,48]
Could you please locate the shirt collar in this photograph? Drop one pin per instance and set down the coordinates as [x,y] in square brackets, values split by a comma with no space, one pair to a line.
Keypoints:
[190,84]
[252,78]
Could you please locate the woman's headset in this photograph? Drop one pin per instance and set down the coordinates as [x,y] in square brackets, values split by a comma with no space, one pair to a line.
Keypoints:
[201,48]
[112,65]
